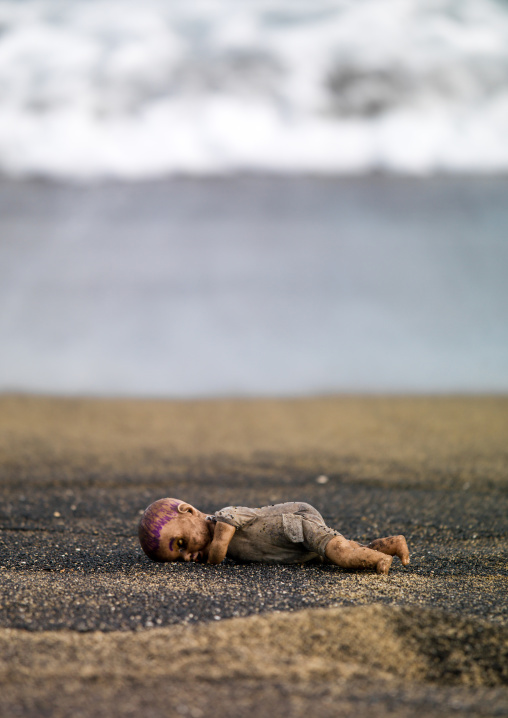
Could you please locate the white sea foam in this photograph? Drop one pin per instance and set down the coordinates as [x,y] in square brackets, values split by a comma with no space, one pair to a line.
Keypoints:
[98,88]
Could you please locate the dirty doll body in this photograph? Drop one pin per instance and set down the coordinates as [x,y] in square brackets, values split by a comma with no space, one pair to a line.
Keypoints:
[293,532]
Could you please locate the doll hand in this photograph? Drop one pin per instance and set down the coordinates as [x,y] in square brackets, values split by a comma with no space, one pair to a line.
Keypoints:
[220,543]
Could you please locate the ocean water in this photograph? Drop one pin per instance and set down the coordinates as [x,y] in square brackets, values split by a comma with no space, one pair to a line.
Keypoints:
[254,285]
[132,90]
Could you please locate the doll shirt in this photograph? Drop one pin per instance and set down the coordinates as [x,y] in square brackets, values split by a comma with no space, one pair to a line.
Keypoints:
[292,532]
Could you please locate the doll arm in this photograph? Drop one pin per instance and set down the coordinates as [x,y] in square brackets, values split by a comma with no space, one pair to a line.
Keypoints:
[220,542]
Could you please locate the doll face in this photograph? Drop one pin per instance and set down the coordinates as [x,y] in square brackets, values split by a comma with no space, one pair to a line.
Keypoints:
[186,538]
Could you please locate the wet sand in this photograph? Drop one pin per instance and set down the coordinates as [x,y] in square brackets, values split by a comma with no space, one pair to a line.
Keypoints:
[90,627]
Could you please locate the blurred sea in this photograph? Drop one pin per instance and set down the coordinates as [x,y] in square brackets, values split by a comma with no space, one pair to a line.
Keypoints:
[257,197]
[131,90]
[254,285]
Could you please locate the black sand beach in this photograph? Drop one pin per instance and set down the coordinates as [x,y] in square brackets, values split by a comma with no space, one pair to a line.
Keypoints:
[90,627]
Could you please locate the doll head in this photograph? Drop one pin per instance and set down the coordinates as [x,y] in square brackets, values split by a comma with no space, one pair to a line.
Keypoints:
[172,530]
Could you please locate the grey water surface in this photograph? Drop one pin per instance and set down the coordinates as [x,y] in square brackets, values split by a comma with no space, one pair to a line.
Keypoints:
[254,285]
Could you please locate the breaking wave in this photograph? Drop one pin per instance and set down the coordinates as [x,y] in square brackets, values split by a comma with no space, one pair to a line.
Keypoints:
[91,89]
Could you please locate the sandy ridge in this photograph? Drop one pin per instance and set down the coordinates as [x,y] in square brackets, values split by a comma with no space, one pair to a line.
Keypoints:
[391,643]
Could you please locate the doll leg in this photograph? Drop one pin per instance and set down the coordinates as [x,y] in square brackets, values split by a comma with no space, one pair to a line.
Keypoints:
[392,546]
[349,554]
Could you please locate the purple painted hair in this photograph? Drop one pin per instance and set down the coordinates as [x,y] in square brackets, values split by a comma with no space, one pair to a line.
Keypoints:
[153,521]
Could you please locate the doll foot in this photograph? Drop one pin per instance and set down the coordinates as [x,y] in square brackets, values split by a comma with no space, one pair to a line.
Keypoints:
[383,565]
[402,550]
